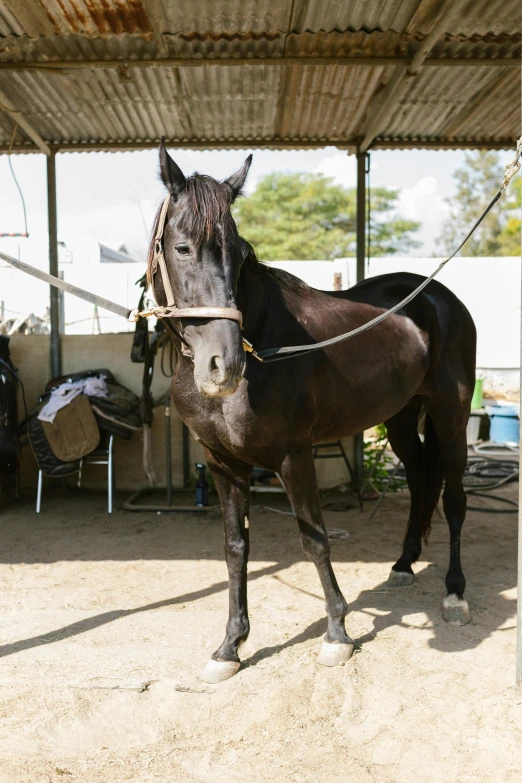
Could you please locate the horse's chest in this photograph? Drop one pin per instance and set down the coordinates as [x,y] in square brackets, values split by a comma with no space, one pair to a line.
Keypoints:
[216,421]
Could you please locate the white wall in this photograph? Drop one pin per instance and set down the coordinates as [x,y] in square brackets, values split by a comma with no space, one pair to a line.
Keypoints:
[489,287]
[22,294]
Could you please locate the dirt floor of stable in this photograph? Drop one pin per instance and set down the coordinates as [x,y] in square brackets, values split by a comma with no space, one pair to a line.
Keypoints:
[106,623]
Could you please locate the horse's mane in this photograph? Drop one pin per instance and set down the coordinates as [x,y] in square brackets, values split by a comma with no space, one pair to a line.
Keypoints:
[207,210]
[150,254]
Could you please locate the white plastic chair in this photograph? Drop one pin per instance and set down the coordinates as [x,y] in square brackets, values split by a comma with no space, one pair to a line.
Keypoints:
[98,457]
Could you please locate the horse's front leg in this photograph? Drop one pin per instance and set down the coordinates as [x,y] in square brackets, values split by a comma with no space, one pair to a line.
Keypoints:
[299,478]
[232,481]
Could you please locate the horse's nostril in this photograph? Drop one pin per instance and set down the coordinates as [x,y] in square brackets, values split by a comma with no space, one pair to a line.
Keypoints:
[217,369]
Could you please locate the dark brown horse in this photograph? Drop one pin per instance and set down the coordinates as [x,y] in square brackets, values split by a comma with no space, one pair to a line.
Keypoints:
[248,413]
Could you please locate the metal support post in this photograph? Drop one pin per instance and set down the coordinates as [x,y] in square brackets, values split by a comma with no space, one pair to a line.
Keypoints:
[519,576]
[168,450]
[186,456]
[52,218]
[362,157]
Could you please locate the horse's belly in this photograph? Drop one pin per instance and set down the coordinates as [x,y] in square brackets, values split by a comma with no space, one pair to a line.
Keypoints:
[365,393]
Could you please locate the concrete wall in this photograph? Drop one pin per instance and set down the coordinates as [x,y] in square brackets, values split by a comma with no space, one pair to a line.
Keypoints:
[30,354]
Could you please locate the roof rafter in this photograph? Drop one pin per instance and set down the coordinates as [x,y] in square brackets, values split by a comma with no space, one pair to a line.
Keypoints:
[397,85]
[58,66]
[348,145]
[9,108]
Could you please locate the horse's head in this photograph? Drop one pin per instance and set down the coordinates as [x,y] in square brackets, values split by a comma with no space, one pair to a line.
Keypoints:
[203,257]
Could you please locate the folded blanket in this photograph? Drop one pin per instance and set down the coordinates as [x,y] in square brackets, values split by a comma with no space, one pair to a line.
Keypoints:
[66,392]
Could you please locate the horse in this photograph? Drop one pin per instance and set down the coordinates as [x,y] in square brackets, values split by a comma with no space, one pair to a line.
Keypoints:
[249,413]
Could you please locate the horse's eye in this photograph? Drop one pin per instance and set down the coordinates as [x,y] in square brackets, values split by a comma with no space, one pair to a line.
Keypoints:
[183,250]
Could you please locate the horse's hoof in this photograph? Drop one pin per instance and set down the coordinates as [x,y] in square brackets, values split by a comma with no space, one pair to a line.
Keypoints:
[399,578]
[219,671]
[334,654]
[455,610]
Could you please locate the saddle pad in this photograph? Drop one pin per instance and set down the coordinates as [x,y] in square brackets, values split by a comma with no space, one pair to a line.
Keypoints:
[74,433]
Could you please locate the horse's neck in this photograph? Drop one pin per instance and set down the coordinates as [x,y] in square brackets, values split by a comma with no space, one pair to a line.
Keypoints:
[251,292]
[272,299]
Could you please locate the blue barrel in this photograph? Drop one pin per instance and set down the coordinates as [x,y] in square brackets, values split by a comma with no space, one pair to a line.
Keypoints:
[505,424]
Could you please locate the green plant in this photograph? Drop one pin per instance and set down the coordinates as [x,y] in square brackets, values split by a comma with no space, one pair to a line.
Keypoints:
[378,463]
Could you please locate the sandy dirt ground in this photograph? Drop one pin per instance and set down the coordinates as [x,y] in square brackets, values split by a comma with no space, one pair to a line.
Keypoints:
[106,623]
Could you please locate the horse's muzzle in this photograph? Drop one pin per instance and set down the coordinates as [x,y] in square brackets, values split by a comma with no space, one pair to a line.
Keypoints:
[219,358]
[219,379]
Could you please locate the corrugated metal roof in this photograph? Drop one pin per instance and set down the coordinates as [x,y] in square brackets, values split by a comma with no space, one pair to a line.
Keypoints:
[439,95]
[36,18]
[255,103]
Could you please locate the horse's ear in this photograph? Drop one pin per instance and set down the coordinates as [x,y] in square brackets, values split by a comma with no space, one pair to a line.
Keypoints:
[238,179]
[171,174]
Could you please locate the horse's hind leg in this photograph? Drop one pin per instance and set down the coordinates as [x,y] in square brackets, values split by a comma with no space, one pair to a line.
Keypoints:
[450,423]
[299,478]
[232,480]
[424,472]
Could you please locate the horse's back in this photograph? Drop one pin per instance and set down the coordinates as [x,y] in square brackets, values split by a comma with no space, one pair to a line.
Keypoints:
[435,305]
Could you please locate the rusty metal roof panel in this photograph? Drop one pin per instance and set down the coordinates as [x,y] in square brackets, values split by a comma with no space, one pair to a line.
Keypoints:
[85,17]
[225,16]
[78,48]
[293,103]
[355,15]
[35,18]
[127,47]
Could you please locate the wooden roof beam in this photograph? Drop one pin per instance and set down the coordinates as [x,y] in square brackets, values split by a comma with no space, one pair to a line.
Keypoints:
[398,84]
[348,145]
[18,117]
[58,66]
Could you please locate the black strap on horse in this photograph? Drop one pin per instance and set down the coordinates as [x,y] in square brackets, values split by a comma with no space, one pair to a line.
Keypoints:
[270,354]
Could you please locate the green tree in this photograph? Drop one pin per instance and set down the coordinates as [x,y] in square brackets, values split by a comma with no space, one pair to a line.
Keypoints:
[307,216]
[477,181]
[509,240]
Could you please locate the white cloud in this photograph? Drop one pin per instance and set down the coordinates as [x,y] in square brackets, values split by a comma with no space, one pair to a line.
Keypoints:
[341,167]
[423,203]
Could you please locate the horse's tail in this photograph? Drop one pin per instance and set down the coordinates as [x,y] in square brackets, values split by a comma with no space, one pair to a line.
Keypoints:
[432,471]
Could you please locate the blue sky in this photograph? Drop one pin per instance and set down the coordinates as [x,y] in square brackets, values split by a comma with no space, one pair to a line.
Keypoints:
[113,195]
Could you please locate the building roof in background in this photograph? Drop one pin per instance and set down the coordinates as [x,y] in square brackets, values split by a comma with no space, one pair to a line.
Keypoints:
[108,74]
[110,256]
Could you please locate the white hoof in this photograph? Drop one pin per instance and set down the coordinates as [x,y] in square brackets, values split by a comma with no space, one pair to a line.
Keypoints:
[334,654]
[455,610]
[219,671]
[399,578]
